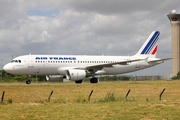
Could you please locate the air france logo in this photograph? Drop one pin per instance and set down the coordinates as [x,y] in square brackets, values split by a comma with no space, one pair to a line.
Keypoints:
[150,45]
[55,58]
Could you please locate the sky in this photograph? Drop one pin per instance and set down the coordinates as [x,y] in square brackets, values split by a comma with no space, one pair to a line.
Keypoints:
[85,27]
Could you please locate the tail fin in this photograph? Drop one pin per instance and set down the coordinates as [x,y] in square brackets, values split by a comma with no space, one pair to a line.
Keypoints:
[150,47]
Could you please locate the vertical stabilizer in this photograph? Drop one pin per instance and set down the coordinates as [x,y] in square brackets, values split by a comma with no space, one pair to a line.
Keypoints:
[150,46]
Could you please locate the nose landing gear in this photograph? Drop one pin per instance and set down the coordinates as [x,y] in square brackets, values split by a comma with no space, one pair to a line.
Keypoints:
[28,81]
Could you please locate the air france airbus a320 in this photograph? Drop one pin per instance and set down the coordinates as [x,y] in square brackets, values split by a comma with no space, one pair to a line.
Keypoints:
[76,67]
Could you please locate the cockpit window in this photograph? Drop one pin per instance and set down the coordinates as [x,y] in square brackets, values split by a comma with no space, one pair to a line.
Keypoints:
[16,61]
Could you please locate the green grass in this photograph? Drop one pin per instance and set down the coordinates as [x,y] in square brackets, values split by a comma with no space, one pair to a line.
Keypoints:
[70,101]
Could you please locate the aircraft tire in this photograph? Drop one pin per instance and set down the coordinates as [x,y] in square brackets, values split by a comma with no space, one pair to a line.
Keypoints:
[78,81]
[28,82]
[94,80]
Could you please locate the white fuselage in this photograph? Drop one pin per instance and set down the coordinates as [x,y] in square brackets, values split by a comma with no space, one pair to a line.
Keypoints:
[59,64]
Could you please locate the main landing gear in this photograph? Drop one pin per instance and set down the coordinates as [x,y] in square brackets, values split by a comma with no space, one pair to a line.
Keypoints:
[78,81]
[94,80]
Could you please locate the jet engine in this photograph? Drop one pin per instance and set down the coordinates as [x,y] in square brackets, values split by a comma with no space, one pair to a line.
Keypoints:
[75,75]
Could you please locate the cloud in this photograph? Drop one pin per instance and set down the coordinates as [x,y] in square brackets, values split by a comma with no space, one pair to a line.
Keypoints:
[82,27]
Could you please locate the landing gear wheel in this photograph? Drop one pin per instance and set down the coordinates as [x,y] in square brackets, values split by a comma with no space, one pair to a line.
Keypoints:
[94,80]
[28,82]
[78,81]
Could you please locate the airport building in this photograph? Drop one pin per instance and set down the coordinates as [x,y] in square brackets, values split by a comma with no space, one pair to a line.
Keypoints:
[175,31]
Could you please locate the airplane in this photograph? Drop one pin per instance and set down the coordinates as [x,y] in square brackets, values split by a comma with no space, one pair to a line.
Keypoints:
[77,67]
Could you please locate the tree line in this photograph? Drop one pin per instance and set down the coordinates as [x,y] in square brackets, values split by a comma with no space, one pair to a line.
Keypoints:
[7,77]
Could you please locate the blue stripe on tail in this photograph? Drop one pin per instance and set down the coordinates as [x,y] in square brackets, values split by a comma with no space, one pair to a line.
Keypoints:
[151,43]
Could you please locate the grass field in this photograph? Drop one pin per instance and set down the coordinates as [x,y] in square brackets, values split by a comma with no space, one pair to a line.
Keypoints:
[70,101]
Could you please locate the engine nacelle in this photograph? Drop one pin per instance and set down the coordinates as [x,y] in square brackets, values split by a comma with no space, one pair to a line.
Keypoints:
[74,74]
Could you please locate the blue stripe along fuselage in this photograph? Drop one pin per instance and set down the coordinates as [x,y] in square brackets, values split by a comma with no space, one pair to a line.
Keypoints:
[151,43]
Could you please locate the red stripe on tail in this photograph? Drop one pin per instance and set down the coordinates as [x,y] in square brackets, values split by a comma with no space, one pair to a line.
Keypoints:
[155,50]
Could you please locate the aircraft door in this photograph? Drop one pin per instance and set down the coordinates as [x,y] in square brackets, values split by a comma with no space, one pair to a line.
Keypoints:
[30,62]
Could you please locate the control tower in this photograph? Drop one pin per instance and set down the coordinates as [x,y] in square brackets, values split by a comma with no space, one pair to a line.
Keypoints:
[175,31]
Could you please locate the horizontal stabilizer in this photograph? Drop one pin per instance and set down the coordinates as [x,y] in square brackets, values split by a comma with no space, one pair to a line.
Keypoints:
[159,60]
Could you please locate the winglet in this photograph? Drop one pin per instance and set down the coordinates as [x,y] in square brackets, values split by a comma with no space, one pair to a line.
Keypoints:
[150,46]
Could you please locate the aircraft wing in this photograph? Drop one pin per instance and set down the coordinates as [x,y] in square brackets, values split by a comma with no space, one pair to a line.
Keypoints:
[100,66]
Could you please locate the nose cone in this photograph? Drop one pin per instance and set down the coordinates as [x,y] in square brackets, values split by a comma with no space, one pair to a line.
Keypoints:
[8,68]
